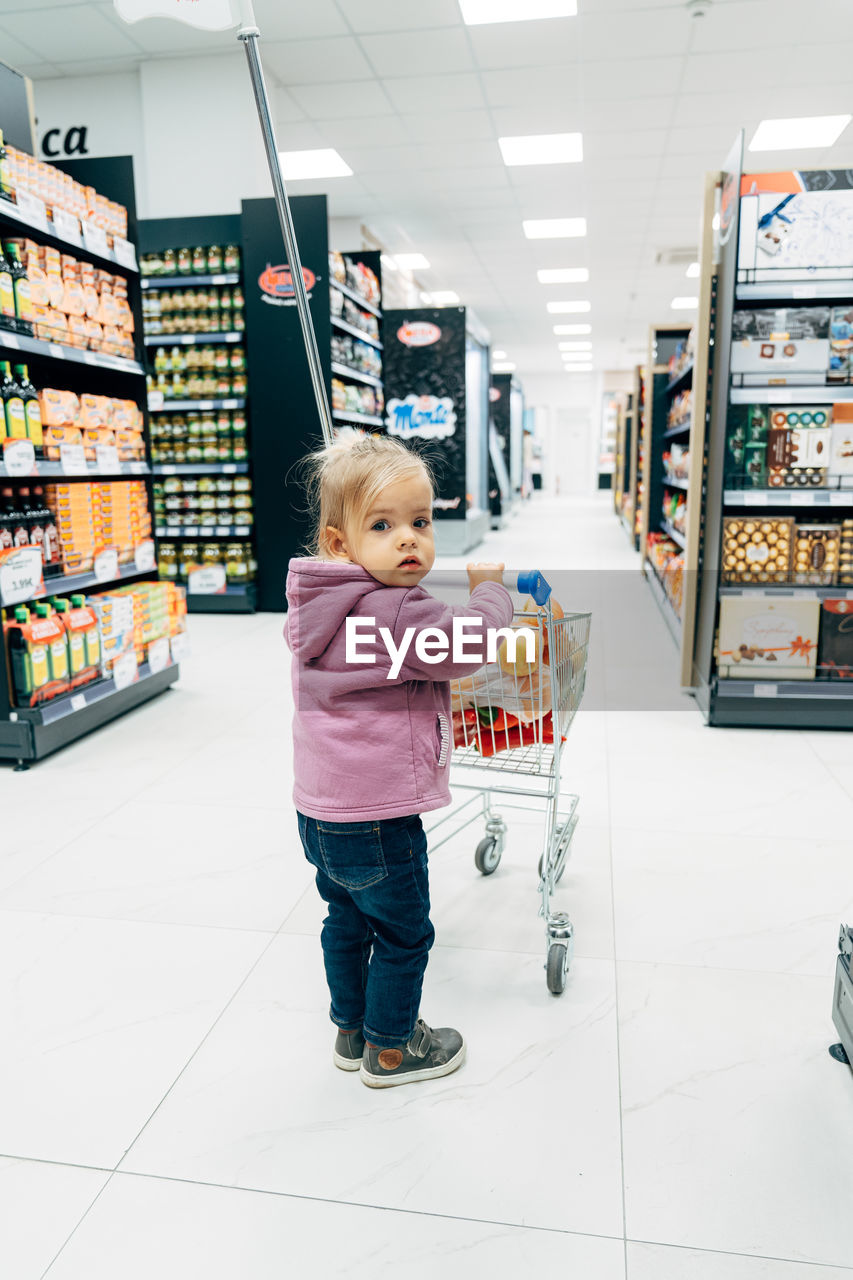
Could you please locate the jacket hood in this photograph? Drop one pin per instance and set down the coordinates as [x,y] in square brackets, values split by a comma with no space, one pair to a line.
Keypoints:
[321,594]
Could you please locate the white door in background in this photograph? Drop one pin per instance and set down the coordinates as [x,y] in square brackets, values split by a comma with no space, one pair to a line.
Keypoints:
[571,442]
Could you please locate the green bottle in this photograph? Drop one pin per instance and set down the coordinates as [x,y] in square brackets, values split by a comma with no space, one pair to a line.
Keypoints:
[32,407]
[20,284]
[13,404]
[7,288]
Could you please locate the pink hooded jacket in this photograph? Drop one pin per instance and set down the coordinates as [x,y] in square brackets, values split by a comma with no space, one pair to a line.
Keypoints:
[366,746]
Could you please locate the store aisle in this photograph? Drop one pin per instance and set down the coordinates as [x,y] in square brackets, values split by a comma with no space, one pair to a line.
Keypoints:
[170,1106]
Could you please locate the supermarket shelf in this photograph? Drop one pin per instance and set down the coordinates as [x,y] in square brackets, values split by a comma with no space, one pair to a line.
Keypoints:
[664,603]
[66,584]
[367,419]
[788,497]
[626,525]
[679,430]
[200,469]
[53,470]
[231,600]
[680,379]
[803,704]
[11,213]
[184,406]
[57,351]
[676,484]
[789,590]
[672,532]
[186,282]
[36,732]
[203,531]
[356,333]
[193,339]
[356,298]
[786,394]
[345,372]
[796,290]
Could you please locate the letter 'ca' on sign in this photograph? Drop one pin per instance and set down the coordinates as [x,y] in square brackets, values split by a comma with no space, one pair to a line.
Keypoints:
[209,15]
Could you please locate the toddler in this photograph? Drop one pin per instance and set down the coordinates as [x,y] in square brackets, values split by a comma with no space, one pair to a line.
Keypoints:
[372,742]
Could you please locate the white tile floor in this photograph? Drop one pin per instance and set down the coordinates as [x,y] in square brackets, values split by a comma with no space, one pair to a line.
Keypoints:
[167,1101]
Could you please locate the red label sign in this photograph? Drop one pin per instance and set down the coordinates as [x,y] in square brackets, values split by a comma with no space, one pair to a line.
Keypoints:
[419,333]
[278,281]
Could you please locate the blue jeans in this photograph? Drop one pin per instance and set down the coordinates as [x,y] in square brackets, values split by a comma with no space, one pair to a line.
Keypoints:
[377,936]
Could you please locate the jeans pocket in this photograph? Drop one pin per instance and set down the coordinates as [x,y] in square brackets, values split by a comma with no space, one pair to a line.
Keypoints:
[352,853]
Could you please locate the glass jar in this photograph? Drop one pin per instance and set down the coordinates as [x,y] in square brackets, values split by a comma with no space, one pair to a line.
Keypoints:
[238,422]
[210,447]
[195,452]
[239,450]
[220,359]
[214,259]
[226,453]
[236,563]
[189,559]
[225,300]
[199,260]
[168,561]
[184,262]
[238,385]
[211,554]
[231,258]
[237,359]
[171,263]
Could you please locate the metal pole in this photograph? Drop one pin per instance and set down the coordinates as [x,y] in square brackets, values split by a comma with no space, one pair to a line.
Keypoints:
[249,34]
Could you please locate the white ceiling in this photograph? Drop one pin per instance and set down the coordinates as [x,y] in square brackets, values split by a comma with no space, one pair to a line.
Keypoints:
[415,102]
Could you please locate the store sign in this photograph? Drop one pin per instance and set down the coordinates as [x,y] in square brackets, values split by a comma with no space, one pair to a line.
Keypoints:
[418,333]
[277,285]
[208,15]
[428,417]
[208,581]
[20,574]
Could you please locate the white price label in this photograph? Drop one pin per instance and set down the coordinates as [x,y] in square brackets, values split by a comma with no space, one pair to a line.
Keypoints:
[19,457]
[33,209]
[125,670]
[204,405]
[168,470]
[242,531]
[218,279]
[229,468]
[138,468]
[230,404]
[191,530]
[232,337]
[158,655]
[95,238]
[180,645]
[155,400]
[21,575]
[223,530]
[107,456]
[765,690]
[56,351]
[78,701]
[67,226]
[89,357]
[209,581]
[144,557]
[106,565]
[125,253]
[72,459]
[757,499]
[10,341]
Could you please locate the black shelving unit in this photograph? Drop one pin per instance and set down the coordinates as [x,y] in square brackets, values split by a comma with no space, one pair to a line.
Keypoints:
[30,733]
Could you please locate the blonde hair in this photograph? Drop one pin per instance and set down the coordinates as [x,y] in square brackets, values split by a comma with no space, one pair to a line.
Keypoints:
[346,478]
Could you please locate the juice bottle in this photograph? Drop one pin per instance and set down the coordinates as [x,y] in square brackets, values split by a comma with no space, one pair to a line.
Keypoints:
[29,670]
[13,403]
[57,648]
[88,624]
[51,549]
[74,642]
[32,408]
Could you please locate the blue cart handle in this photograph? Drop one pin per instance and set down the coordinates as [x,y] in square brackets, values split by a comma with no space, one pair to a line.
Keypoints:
[531,583]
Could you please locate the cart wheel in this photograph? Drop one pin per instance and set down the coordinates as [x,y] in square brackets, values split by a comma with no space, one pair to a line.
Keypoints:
[487,856]
[558,967]
[561,866]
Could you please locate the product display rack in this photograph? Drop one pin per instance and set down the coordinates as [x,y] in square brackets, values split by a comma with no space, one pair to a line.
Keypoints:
[198,554]
[638,448]
[749,629]
[28,733]
[349,382]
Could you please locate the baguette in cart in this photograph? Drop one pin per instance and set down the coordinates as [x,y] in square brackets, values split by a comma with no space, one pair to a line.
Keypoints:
[510,721]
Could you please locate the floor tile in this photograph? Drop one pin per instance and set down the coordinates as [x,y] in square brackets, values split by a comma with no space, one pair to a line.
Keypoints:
[737,1122]
[213,1233]
[42,1204]
[261,1105]
[658,1262]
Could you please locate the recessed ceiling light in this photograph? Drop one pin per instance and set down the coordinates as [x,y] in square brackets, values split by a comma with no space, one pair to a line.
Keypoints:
[568,308]
[798,133]
[542,148]
[554,228]
[578,368]
[322,163]
[443,298]
[567,329]
[692,271]
[503,366]
[411,262]
[684,304]
[574,346]
[388,262]
[563,275]
[499,355]
[477,12]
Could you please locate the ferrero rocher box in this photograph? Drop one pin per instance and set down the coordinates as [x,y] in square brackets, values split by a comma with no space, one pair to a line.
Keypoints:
[763,639]
[756,549]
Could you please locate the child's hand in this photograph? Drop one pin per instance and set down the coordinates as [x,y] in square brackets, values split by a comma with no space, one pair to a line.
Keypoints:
[478,573]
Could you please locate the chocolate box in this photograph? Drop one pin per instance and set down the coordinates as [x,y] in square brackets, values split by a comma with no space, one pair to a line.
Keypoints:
[766,639]
[835,655]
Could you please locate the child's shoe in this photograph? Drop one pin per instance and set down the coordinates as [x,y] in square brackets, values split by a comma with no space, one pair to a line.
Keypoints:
[428,1055]
[349,1050]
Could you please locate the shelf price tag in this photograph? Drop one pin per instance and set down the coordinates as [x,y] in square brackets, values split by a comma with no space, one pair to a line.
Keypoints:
[21,574]
[765,690]
[56,351]
[72,459]
[138,468]
[106,565]
[155,400]
[159,656]
[67,225]
[78,701]
[125,253]
[209,581]
[180,646]
[33,209]
[107,456]
[125,670]
[144,557]
[19,458]
[95,238]
[10,341]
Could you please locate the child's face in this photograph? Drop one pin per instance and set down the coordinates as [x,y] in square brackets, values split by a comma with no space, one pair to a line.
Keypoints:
[394,539]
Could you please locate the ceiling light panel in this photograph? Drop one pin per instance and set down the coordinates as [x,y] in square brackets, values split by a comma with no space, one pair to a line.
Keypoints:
[798,133]
[503,366]
[574,346]
[569,308]
[578,368]
[411,261]
[567,329]
[478,12]
[554,228]
[444,298]
[692,271]
[684,304]
[563,275]
[499,355]
[542,148]
[321,163]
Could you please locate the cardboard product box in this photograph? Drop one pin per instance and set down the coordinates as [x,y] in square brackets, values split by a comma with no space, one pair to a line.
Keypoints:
[817,549]
[798,447]
[840,344]
[835,655]
[756,549]
[773,345]
[845,564]
[841,444]
[761,639]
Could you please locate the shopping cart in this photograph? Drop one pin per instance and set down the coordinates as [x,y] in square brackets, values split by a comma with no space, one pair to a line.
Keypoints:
[543,695]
